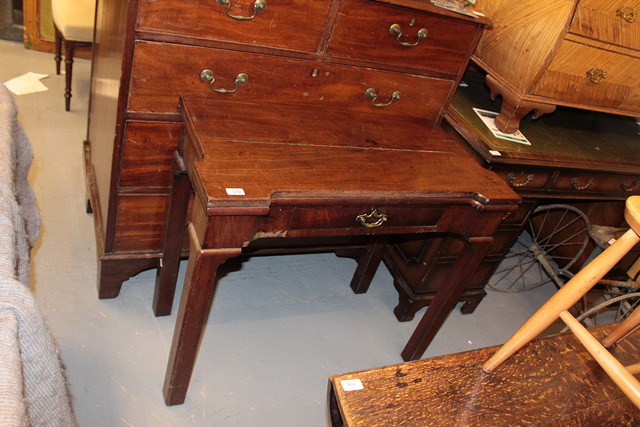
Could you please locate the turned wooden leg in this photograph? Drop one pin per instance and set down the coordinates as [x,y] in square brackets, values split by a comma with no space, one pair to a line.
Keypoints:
[629,325]
[565,298]
[58,55]
[616,371]
[175,226]
[445,299]
[199,287]
[514,109]
[69,48]
[368,264]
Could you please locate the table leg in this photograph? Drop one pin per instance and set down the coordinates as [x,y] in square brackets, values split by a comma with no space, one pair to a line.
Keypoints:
[175,225]
[443,302]
[368,264]
[197,295]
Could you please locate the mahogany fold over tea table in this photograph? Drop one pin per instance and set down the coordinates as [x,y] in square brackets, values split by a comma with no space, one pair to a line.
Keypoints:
[279,173]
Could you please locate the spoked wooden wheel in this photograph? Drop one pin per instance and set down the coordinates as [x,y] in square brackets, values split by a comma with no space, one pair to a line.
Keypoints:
[610,304]
[554,238]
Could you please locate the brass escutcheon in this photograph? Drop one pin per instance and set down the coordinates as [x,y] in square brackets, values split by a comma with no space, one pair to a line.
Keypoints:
[258,6]
[396,30]
[596,75]
[628,14]
[380,218]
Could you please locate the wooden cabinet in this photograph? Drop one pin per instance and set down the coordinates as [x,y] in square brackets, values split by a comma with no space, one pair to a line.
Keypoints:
[576,53]
[362,56]
[586,159]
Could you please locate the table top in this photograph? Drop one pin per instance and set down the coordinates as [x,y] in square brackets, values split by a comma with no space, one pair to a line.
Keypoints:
[568,137]
[251,156]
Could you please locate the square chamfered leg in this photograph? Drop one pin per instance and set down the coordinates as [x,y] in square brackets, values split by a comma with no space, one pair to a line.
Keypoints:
[444,302]
[197,295]
[175,226]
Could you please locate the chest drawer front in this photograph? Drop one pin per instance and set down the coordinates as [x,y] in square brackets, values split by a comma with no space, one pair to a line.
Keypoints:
[616,22]
[363,31]
[274,80]
[591,76]
[290,24]
[147,151]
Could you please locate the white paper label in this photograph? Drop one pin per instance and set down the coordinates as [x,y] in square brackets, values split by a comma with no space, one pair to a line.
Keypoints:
[235,191]
[351,385]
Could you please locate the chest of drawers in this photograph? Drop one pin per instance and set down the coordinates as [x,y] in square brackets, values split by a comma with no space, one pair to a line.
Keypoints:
[383,58]
[576,53]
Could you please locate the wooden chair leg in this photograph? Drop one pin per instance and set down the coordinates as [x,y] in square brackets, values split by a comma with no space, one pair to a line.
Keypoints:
[565,298]
[69,49]
[58,55]
[627,326]
[616,371]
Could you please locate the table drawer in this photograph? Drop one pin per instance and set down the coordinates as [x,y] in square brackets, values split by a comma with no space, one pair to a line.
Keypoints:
[528,179]
[290,24]
[155,87]
[575,76]
[607,21]
[589,182]
[374,218]
[363,31]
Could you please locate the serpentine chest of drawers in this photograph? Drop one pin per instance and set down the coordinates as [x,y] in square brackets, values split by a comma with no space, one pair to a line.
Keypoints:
[576,53]
[383,57]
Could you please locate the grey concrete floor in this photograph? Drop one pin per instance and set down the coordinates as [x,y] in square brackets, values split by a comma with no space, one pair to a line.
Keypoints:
[280,325]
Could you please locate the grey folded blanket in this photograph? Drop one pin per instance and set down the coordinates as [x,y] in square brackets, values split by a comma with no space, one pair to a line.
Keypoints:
[33,391]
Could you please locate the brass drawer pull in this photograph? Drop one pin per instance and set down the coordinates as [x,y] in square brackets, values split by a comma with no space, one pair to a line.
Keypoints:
[380,218]
[373,95]
[258,6]
[628,14]
[596,75]
[207,76]
[511,179]
[587,184]
[396,30]
[629,187]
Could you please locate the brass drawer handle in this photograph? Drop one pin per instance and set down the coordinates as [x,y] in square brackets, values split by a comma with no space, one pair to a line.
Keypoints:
[380,218]
[207,76]
[628,14]
[511,179]
[258,6]
[587,184]
[596,75]
[396,30]
[629,187]
[373,95]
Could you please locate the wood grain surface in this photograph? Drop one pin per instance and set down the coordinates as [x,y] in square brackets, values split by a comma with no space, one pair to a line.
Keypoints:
[553,381]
